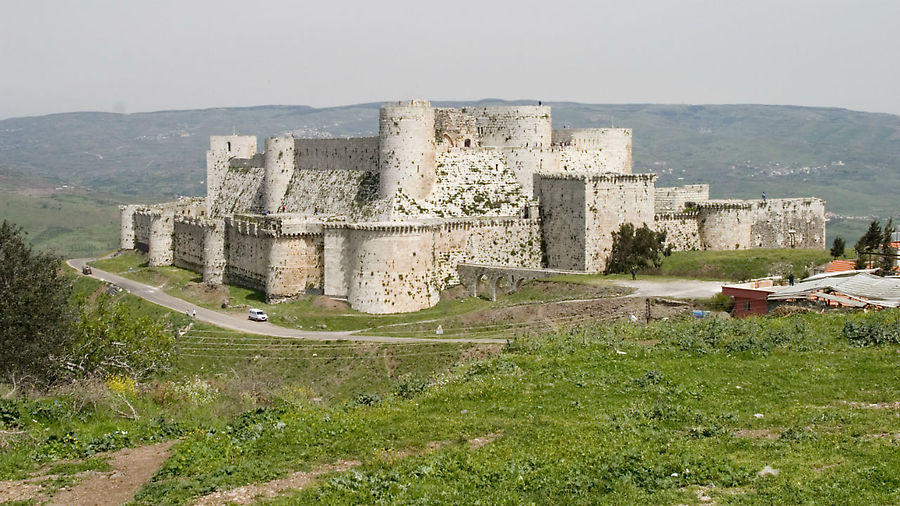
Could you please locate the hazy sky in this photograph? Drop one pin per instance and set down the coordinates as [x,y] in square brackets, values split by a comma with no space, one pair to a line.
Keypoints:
[129,55]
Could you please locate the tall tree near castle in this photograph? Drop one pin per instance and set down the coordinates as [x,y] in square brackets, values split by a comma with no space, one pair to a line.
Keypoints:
[635,249]
[886,261]
[869,243]
[837,249]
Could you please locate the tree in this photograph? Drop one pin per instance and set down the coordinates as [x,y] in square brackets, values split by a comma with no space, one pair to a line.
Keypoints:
[837,248]
[109,339]
[886,260]
[869,243]
[35,314]
[635,248]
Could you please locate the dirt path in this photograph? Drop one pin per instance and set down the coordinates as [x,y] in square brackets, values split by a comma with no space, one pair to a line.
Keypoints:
[132,468]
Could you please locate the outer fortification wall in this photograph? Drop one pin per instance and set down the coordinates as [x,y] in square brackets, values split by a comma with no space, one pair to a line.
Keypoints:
[390,268]
[126,226]
[673,199]
[789,223]
[188,243]
[725,225]
[296,265]
[682,230]
[247,245]
[512,127]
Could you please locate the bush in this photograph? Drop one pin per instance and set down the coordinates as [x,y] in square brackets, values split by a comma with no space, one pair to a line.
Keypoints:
[883,328]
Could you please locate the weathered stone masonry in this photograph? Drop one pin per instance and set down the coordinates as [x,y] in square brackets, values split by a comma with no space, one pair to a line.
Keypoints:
[385,221]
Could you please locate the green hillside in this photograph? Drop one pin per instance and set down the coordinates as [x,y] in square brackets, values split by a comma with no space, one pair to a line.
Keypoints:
[849,158]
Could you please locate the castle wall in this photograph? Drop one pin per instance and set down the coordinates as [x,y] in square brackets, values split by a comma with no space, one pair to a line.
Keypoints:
[160,247]
[241,192]
[393,268]
[296,266]
[214,252]
[126,227]
[188,243]
[682,230]
[331,193]
[246,251]
[789,223]
[673,199]
[337,262]
[406,149]
[512,127]
[725,226]
[360,154]
[563,214]
[611,201]
[280,163]
[223,149]
[526,162]
[476,183]
[453,128]
[613,146]
[498,241]
[142,228]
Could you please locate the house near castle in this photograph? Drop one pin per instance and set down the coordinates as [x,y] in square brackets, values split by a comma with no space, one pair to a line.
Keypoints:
[385,221]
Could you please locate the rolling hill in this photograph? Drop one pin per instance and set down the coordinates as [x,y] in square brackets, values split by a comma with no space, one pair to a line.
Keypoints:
[851,159]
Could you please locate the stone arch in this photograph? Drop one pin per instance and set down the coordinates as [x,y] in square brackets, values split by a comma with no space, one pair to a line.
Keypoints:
[449,140]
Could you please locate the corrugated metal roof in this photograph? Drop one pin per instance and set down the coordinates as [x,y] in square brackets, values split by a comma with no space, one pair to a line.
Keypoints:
[881,291]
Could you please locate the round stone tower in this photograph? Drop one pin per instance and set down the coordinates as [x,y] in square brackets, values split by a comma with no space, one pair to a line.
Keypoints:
[407,148]
[280,165]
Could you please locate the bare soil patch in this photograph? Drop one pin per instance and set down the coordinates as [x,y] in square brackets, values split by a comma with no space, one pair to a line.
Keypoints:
[205,293]
[758,433]
[321,301]
[132,468]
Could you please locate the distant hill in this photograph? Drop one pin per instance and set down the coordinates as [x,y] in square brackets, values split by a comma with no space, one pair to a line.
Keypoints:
[849,158]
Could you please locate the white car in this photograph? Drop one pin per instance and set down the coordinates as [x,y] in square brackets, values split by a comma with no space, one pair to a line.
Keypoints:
[258,315]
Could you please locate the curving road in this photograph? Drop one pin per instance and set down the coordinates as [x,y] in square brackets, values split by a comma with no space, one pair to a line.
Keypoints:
[157,296]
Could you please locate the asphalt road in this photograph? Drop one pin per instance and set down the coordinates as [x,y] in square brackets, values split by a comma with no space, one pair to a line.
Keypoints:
[157,296]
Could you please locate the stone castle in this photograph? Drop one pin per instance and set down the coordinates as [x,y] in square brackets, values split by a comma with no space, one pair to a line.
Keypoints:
[385,221]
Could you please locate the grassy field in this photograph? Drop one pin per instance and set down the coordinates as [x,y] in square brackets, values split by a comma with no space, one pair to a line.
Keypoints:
[71,225]
[741,265]
[800,409]
[314,311]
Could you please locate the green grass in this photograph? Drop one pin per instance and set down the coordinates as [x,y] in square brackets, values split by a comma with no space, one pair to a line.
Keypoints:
[310,312]
[70,225]
[594,416]
[741,265]
[617,414]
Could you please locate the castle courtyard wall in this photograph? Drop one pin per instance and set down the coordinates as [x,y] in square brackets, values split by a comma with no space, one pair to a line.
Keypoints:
[188,243]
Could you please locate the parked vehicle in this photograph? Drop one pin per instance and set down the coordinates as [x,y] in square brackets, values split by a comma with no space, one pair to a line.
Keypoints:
[86,270]
[258,315]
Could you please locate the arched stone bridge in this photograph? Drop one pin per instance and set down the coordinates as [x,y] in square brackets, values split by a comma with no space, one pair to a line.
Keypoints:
[500,278]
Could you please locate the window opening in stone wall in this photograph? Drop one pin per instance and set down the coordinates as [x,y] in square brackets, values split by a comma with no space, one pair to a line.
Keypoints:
[229,145]
[468,143]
